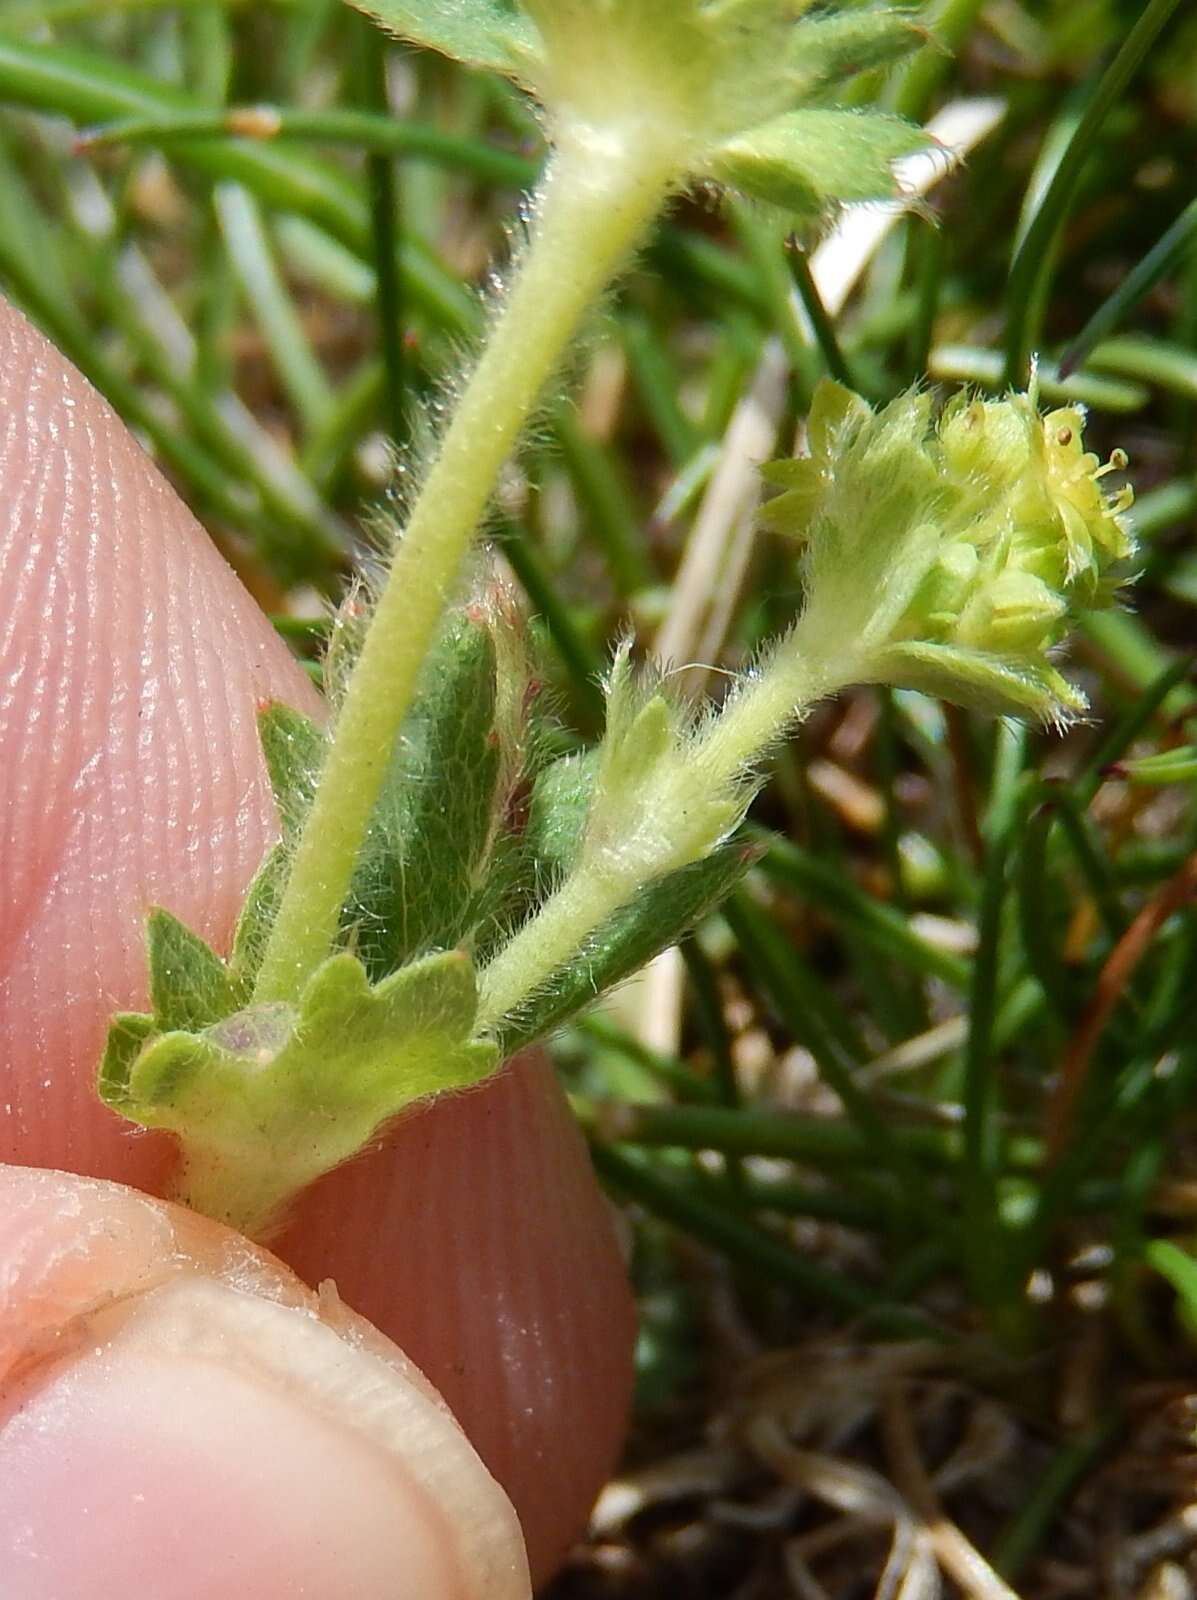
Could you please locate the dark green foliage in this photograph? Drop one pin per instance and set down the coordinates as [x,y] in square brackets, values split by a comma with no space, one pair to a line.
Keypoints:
[190,986]
[294,750]
[656,919]
[422,882]
[806,161]
[557,814]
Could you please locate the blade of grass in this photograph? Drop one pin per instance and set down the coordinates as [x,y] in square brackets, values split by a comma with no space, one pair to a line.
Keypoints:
[1130,650]
[883,927]
[821,324]
[657,384]
[1156,361]
[1040,934]
[751,1247]
[44,13]
[930,256]
[580,661]
[761,1131]
[1166,253]
[682,1082]
[1087,852]
[1123,733]
[984,1263]
[297,532]
[370,83]
[1115,977]
[949,27]
[964,363]
[1031,264]
[704,983]
[88,87]
[381,134]
[605,502]
[801,1005]
[194,464]
[1025,1533]
[302,377]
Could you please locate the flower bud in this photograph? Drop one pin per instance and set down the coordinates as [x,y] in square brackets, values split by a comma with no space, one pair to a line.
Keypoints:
[948,554]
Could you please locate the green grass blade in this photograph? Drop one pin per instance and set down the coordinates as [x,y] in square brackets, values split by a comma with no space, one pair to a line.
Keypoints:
[1166,253]
[1032,261]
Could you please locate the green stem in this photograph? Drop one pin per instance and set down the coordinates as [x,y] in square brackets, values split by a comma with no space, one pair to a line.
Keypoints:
[604,881]
[594,206]
[562,925]
[769,703]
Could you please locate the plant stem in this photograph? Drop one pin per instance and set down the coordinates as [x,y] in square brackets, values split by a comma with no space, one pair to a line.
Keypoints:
[604,881]
[793,678]
[597,200]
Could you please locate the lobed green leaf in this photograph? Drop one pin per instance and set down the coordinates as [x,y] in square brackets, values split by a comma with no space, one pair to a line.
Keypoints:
[435,827]
[294,749]
[831,49]
[271,1097]
[190,986]
[478,33]
[808,160]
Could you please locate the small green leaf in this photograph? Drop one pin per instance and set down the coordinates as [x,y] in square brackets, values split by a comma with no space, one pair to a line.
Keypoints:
[1166,766]
[478,33]
[294,748]
[979,680]
[808,160]
[189,983]
[435,825]
[257,917]
[128,1032]
[1180,1269]
[557,814]
[832,49]
[268,1099]
[657,918]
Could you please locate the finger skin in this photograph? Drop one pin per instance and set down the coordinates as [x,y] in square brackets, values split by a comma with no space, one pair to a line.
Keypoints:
[179,1414]
[130,668]
[131,665]
[490,1196]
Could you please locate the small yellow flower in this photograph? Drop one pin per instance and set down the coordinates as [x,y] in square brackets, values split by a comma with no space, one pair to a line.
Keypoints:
[953,549]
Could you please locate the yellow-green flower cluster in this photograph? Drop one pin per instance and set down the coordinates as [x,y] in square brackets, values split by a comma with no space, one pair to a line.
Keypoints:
[948,553]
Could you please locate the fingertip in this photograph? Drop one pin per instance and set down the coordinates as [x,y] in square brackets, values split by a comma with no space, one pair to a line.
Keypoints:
[183,1416]
[131,660]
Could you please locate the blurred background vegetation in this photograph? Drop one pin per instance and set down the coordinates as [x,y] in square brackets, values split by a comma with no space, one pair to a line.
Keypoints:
[906,1133]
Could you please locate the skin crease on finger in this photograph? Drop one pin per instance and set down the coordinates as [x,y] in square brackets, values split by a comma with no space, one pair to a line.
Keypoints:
[178,1414]
[131,665]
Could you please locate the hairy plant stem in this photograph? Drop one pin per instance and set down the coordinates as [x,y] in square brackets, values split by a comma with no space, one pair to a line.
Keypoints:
[242,1190]
[601,884]
[599,196]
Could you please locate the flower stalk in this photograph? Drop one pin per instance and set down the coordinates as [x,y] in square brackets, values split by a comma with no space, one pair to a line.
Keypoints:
[592,210]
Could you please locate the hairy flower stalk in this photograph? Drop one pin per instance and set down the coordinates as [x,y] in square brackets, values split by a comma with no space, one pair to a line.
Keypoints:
[589,215]
[945,554]
[638,100]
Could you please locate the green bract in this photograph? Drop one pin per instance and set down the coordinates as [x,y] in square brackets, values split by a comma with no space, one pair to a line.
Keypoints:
[952,551]
[269,1097]
[718,83]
